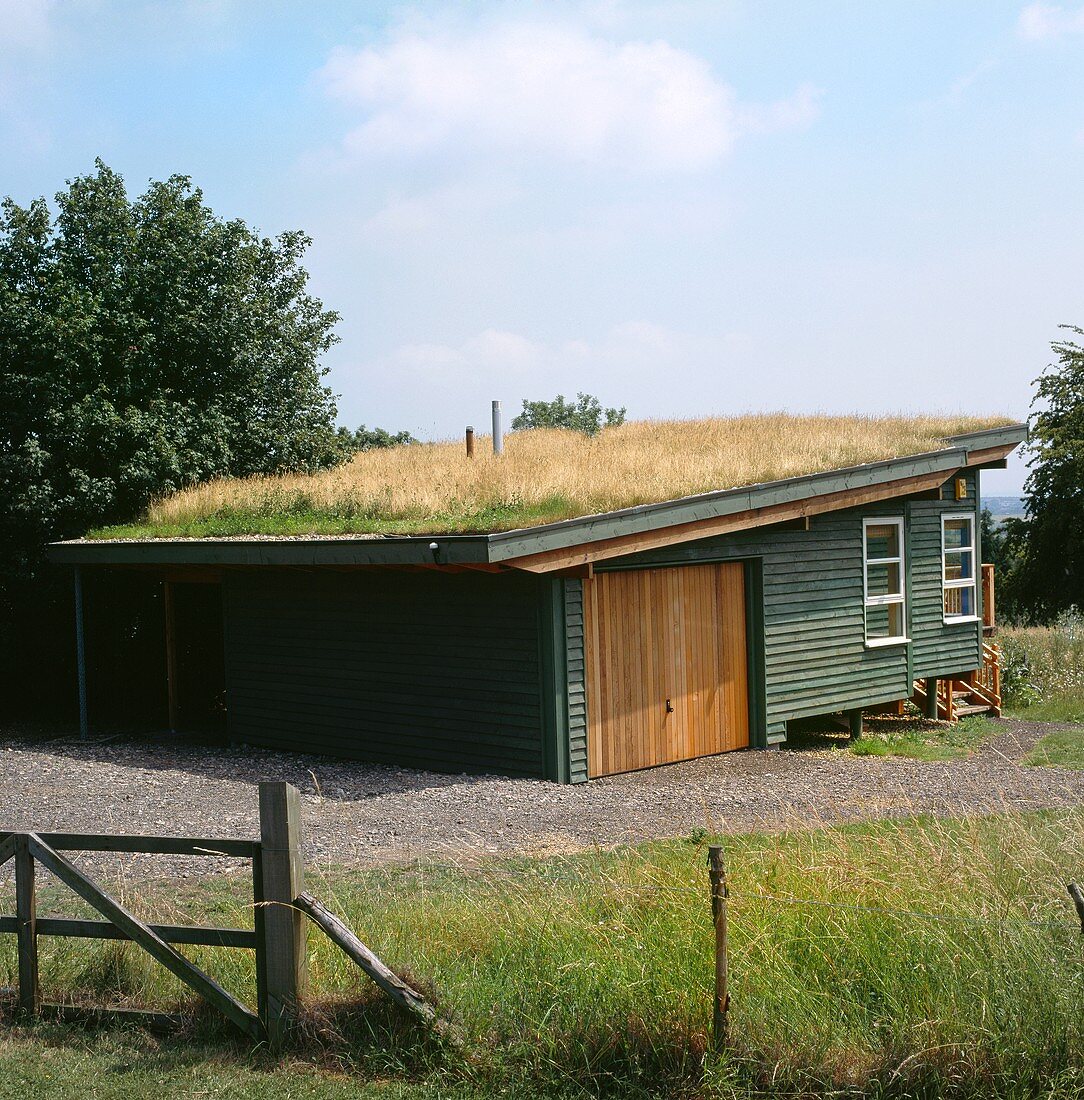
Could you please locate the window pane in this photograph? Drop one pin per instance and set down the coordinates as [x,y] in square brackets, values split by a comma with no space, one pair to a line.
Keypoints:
[884,622]
[883,580]
[882,540]
[959,565]
[959,601]
[957,533]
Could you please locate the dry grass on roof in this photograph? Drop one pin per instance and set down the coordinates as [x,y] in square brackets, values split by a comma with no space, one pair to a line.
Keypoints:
[544,475]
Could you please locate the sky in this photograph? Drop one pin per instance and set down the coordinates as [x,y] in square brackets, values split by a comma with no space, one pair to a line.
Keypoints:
[682,207]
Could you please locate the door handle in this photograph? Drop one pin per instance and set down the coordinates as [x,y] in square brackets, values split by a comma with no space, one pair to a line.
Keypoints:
[669,707]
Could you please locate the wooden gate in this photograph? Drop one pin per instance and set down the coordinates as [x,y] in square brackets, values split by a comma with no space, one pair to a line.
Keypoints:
[666,669]
[277,935]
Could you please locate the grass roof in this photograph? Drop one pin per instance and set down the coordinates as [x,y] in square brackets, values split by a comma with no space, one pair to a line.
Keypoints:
[543,476]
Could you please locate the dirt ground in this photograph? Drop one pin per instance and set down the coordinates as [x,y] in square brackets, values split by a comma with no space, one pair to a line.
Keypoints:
[360,814]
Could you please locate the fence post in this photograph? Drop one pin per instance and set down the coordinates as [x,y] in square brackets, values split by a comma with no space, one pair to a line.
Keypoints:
[1077,895]
[719,893]
[26,915]
[284,962]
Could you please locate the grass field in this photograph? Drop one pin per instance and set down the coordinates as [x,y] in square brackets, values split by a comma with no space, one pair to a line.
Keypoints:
[911,736]
[1060,749]
[920,958]
[918,739]
[1043,670]
[543,476]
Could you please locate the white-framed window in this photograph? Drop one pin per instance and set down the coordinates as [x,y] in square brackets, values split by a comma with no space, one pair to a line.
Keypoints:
[883,581]
[958,566]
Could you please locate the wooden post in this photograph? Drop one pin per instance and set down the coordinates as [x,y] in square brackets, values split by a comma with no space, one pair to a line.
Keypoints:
[259,912]
[989,614]
[81,655]
[931,698]
[171,652]
[470,442]
[283,947]
[1077,895]
[854,720]
[404,995]
[26,915]
[719,893]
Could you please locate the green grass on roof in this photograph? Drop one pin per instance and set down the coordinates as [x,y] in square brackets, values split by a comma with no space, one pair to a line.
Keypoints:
[543,476]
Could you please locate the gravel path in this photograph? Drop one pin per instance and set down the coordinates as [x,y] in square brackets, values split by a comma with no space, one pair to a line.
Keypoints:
[362,814]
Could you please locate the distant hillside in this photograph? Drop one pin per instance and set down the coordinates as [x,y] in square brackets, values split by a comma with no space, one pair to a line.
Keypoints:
[1004,507]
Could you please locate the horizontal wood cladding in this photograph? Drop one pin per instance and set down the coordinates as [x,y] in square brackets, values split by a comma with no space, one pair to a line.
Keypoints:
[425,670]
[577,688]
[815,654]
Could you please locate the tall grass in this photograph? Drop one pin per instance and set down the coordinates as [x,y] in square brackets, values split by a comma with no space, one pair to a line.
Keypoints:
[544,475]
[1043,669]
[910,958]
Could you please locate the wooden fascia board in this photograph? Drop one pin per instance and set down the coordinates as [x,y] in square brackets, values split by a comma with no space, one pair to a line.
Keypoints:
[571,557]
[990,454]
[452,549]
[723,525]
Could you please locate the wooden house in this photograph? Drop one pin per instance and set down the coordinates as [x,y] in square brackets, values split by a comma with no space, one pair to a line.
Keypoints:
[594,644]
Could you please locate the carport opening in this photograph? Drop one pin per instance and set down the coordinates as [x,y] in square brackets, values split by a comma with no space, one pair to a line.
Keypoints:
[195,657]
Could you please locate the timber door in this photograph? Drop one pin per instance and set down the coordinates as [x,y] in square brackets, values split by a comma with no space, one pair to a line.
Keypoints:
[666,665]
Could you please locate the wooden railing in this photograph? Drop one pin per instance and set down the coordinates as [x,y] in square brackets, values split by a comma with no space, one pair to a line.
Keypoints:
[988,600]
[985,682]
[981,687]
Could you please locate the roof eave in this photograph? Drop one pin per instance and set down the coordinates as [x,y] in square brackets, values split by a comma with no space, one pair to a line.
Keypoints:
[506,546]
[463,550]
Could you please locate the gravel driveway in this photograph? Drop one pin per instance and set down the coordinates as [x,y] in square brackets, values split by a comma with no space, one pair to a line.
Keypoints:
[362,814]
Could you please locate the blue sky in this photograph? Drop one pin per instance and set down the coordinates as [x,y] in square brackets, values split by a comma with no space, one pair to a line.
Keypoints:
[682,207]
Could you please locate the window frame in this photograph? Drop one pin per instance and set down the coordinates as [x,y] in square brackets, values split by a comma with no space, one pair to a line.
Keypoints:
[892,599]
[964,582]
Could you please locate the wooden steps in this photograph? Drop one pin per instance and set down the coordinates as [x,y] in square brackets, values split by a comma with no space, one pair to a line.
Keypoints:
[977,692]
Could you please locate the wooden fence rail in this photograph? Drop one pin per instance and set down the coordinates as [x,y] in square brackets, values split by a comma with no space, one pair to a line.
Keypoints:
[277,936]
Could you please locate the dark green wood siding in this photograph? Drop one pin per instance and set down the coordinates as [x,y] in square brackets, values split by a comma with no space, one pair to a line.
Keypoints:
[429,670]
[939,649]
[577,685]
[815,655]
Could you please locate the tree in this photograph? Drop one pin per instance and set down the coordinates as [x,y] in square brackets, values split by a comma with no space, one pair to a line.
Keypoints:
[145,344]
[585,414]
[371,439]
[1001,547]
[1049,575]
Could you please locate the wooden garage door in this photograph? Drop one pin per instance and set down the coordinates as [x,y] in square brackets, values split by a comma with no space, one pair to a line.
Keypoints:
[666,665]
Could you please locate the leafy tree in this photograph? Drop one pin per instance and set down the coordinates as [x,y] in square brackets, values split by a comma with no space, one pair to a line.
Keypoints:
[371,439]
[585,414]
[1001,548]
[145,344]
[1049,575]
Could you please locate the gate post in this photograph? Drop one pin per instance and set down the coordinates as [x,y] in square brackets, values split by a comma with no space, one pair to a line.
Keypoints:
[26,910]
[281,955]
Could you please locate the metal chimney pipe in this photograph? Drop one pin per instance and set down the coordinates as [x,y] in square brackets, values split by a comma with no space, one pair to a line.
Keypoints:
[498,432]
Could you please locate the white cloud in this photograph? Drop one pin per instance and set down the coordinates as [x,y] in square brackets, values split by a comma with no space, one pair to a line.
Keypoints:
[547,91]
[25,23]
[1045,21]
[656,371]
[795,112]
